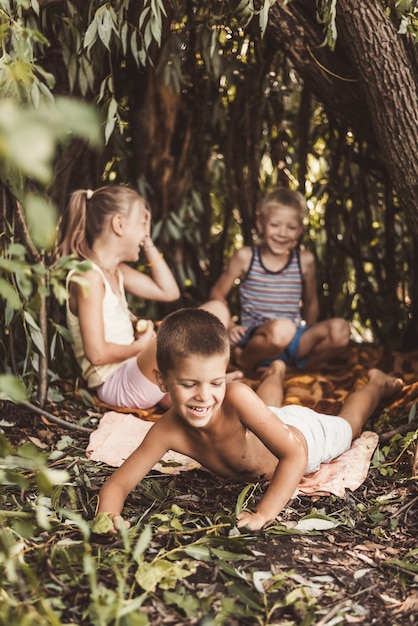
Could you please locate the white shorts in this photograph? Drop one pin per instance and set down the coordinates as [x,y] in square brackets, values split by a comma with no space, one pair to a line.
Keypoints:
[129,387]
[327,436]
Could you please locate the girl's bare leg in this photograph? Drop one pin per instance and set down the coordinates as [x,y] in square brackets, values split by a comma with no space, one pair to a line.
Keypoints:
[360,404]
[270,388]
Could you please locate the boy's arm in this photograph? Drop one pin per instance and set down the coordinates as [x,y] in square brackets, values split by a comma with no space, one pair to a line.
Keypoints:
[286,478]
[310,308]
[290,452]
[236,268]
[115,490]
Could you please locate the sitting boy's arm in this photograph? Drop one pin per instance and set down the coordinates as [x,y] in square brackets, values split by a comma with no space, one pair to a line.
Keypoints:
[236,268]
[310,307]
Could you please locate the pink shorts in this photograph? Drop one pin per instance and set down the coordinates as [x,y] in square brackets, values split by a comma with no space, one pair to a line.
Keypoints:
[128,387]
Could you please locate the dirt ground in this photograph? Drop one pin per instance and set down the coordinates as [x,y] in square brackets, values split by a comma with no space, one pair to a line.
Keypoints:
[366,565]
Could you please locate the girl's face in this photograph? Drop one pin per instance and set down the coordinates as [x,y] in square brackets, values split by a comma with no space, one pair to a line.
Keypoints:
[281,228]
[136,228]
[197,387]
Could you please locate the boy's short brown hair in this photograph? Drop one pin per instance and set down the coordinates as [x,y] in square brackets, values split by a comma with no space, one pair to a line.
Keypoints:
[282,196]
[189,331]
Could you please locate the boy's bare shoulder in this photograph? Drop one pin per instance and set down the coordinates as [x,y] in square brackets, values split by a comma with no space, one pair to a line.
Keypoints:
[243,255]
[306,255]
[307,259]
[237,393]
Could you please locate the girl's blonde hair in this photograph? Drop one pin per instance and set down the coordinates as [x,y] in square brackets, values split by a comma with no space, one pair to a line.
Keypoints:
[87,213]
[281,196]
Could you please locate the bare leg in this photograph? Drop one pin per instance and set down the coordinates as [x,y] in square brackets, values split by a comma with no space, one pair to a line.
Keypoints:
[270,388]
[267,342]
[324,340]
[360,404]
[218,308]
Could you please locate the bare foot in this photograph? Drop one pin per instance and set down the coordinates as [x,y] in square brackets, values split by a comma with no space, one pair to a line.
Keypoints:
[276,369]
[235,375]
[389,384]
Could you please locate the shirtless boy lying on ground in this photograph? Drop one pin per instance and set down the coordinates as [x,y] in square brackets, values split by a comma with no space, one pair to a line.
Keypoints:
[231,430]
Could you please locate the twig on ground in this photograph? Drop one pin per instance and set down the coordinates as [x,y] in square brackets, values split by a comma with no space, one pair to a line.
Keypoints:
[55,419]
[404,428]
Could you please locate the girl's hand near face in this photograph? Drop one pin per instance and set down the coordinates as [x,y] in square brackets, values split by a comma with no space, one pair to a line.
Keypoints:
[147,240]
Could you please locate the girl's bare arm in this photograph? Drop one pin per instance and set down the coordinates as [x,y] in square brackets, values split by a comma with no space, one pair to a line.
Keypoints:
[89,303]
[160,285]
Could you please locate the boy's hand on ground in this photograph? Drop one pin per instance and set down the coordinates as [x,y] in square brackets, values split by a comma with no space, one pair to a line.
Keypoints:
[255,521]
[118,522]
[105,523]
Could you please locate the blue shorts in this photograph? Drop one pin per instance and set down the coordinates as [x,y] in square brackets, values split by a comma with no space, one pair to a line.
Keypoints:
[289,354]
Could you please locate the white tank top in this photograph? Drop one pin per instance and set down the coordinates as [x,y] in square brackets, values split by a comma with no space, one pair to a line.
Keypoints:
[118,328]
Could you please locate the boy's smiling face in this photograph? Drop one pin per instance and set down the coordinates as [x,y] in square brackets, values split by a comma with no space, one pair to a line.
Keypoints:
[197,387]
[281,228]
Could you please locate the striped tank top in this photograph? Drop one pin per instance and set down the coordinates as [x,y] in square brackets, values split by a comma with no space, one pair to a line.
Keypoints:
[266,295]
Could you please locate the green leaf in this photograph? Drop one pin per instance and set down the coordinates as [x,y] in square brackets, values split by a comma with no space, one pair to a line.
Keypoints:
[42,221]
[35,333]
[12,388]
[80,119]
[90,36]
[142,543]
[111,118]
[242,498]
[162,573]
[227,555]
[47,478]
[102,524]
[198,552]
[9,293]
[184,600]
[264,16]
[404,565]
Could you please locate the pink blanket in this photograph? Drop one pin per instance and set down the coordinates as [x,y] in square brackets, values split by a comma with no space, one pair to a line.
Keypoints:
[119,434]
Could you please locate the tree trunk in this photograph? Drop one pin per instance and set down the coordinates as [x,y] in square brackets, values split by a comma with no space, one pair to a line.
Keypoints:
[329,75]
[368,84]
[383,64]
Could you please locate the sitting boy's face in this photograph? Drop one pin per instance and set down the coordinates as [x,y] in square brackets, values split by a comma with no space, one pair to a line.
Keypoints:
[281,228]
[197,387]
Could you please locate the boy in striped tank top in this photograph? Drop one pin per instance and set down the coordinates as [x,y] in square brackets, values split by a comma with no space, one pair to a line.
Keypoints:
[278,292]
